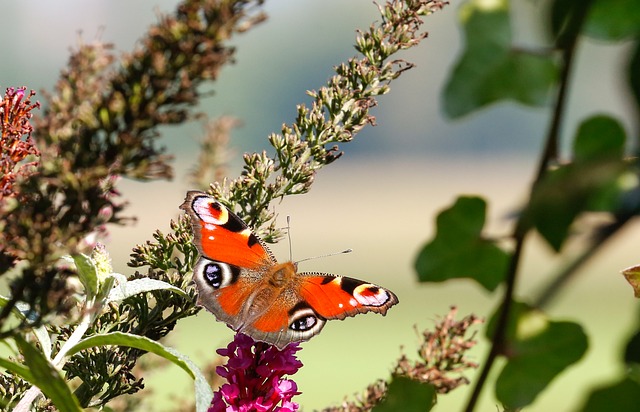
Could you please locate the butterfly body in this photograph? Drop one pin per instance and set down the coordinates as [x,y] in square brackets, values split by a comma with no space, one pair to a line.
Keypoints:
[243,285]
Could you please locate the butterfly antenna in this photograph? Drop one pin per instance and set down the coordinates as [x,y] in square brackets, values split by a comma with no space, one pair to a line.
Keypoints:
[324,256]
[289,237]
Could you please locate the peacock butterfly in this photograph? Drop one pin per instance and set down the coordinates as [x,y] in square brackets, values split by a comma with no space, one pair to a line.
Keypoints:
[242,284]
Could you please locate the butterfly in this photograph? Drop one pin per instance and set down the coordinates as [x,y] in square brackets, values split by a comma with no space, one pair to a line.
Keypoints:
[239,280]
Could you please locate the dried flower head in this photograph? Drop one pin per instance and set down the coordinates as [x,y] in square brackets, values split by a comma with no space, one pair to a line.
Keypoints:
[255,377]
[16,143]
[442,361]
[442,354]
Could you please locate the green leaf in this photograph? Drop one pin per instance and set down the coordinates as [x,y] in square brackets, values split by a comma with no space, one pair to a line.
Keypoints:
[567,18]
[613,20]
[599,137]
[46,377]
[458,249]
[634,75]
[203,391]
[134,341]
[23,311]
[405,394]
[490,70]
[133,287]
[570,190]
[537,350]
[87,273]
[591,183]
[17,368]
[106,288]
[622,396]
[632,350]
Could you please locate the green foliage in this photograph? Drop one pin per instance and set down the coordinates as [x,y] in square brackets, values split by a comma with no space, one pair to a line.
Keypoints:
[88,274]
[458,249]
[613,20]
[622,396]
[46,377]
[592,182]
[600,175]
[491,69]
[537,350]
[203,391]
[634,75]
[406,394]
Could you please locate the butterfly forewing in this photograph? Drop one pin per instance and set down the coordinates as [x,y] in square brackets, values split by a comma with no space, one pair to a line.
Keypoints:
[222,236]
[336,297]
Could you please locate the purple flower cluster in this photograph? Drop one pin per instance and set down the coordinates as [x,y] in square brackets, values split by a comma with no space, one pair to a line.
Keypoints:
[254,374]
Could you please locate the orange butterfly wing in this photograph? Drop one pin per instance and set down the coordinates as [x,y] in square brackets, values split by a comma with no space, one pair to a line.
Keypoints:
[222,236]
[336,297]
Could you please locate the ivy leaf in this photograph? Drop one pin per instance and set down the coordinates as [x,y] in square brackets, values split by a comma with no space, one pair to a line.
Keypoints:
[613,20]
[599,136]
[590,183]
[46,377]
[632,350]
[405,394]
[622,396]
[203,391]
[632,274]
[490,69]
[537,350]
[458,249]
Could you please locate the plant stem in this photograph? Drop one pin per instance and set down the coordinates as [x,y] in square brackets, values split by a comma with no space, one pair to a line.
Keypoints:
[551,290]
[566,42]
[499,335]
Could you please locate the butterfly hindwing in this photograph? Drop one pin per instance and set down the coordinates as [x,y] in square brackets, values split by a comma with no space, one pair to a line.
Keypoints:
[287,318]
[223,289]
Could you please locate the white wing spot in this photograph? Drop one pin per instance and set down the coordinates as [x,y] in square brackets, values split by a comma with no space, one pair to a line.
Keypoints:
[378,299]
[211,238]
[340,305]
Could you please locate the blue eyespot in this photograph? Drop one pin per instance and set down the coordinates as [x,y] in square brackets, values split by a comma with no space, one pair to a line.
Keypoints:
[213,274]
[303,323]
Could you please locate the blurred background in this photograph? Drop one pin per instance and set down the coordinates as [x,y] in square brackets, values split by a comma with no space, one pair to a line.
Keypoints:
[380,198]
